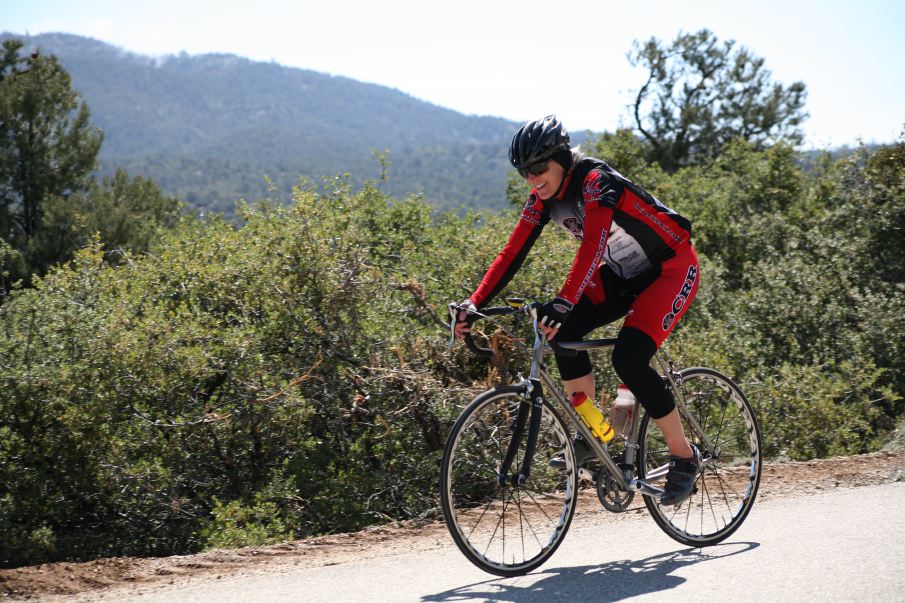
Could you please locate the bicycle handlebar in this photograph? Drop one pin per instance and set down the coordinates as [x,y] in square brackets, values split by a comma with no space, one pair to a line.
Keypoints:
[503,311]
[498,311]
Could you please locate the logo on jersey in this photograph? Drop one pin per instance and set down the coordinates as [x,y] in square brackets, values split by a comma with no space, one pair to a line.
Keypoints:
[573,226]
[533,210]
[681,297]
[594,187]
[658,222]
[600,188]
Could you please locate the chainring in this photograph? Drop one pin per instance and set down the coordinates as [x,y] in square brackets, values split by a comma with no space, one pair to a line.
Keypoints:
[612,497]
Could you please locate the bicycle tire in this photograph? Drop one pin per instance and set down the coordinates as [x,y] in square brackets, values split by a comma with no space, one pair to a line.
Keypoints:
[478,510]
[726,487]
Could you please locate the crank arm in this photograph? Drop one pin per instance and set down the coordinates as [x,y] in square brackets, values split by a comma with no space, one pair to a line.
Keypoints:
[644,488]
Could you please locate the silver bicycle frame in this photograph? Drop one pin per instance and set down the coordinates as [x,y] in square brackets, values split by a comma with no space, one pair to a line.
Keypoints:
[555,393]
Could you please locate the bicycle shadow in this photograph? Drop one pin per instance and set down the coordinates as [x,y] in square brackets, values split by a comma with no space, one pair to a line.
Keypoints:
[613,581]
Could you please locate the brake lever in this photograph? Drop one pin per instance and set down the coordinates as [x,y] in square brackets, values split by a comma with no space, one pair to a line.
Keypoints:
[454,309]
[453,313]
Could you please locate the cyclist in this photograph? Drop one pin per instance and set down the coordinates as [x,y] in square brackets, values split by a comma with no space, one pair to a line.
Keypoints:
[635,259]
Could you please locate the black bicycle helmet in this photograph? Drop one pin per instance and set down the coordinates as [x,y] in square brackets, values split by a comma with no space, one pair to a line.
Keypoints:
[537,141]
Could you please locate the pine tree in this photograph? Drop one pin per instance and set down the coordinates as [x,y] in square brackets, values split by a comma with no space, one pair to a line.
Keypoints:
[701,94]
[48,147]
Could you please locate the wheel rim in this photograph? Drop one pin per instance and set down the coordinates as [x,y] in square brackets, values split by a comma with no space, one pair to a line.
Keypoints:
[503,527]
[727,485]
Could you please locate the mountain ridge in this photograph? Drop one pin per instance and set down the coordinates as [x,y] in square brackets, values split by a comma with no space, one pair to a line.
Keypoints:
[209,127]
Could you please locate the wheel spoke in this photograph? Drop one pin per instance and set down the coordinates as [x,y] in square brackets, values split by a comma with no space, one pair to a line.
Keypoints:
[539,507]
[481,516]
[531,528]
[496,528]
[706,494]
[723,486]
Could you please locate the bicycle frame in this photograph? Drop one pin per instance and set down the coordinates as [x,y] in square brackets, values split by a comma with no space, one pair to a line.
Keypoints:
[539,379]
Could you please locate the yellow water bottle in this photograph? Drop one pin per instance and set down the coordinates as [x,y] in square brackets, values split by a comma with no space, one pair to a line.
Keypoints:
[592,417]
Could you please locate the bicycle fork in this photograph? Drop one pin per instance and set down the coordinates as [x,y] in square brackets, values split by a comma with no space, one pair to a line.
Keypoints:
[532,407]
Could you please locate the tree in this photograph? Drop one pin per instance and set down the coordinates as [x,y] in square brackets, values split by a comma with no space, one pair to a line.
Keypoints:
[127,215]
[701,94]
[48,146]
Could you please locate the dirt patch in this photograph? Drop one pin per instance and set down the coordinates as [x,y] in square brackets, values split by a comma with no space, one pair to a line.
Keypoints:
[100,577]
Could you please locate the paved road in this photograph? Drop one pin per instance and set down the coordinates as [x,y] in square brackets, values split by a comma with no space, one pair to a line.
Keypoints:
[845,545]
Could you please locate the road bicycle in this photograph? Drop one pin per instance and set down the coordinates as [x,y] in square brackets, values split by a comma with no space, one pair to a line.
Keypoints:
[508,510]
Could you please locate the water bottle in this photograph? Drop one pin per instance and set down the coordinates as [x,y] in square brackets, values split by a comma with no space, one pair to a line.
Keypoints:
[623,407]
[592,417]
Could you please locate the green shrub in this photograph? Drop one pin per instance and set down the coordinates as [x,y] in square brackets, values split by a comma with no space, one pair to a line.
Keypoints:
[288,377]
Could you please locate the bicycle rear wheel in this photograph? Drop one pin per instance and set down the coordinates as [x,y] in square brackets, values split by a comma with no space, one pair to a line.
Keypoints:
[727,484]
[503,528]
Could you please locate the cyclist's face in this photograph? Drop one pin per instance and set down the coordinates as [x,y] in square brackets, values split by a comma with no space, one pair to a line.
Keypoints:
[547,184]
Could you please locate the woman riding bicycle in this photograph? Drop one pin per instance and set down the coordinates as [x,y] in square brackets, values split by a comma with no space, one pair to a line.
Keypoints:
[635,260]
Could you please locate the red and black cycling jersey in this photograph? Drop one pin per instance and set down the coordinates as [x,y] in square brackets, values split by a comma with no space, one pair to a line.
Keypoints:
[617,222]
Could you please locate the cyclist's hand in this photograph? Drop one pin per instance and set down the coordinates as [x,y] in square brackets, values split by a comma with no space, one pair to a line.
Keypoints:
[465,318]
[551,316]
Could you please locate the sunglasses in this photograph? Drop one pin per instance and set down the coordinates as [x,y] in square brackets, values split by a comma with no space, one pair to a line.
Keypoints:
[535,169]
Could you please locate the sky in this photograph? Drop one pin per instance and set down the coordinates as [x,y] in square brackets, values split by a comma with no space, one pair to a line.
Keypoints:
[523,60]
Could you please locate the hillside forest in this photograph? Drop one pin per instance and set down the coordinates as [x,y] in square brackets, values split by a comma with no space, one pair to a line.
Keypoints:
[173,383]
[210,129]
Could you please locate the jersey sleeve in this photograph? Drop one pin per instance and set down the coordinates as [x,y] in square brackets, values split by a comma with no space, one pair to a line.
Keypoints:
[531,222]
[601,194]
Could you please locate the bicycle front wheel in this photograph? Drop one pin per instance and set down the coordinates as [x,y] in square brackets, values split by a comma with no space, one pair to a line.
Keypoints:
[505,528]
[725,488]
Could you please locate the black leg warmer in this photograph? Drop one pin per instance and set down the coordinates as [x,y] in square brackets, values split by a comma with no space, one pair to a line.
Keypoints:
[631,359]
